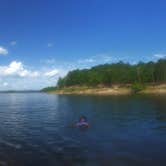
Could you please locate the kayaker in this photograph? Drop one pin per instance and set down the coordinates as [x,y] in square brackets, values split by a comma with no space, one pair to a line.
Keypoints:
[82,123]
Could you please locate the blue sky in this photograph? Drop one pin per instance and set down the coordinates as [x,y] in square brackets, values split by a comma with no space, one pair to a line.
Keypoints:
[43,39]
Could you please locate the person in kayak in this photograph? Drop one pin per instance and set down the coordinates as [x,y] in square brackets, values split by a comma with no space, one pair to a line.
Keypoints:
[82,123]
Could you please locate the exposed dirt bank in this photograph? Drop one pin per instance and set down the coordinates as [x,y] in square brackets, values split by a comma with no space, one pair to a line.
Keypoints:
[113,90]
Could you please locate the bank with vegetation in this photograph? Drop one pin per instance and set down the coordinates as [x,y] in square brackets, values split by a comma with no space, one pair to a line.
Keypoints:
[116,78]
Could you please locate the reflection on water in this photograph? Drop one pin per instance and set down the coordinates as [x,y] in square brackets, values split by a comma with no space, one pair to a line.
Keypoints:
[36,130]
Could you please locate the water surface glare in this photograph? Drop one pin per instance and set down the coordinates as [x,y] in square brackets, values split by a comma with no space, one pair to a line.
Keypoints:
[36,129]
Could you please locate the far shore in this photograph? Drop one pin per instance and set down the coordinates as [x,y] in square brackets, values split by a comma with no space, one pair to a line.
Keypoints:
[113,90]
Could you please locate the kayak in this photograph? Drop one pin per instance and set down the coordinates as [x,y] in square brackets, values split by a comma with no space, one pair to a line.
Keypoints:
[82,124]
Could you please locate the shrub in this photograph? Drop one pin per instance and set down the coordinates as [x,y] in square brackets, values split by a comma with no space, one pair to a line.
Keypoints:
[137,87]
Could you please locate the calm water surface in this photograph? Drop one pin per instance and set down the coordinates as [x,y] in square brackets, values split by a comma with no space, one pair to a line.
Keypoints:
[35,129]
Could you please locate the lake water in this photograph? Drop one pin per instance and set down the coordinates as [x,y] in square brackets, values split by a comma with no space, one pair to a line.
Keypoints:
[36,129]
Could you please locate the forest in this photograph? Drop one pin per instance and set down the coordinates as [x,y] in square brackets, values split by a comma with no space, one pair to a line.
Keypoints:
[116,73]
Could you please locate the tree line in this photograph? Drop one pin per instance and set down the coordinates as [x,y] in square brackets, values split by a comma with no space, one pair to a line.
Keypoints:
[116,73]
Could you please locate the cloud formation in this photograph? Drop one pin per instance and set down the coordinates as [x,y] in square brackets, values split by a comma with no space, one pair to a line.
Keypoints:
[88,60]
[160,56]
[16,69]
[17,76]
[52,73]
[98,59]
[3,51]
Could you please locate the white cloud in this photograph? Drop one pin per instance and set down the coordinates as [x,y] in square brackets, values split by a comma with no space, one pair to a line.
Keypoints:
[159,55]
[17,76]
[106,58]
[13,43]
[88,60]
[3,51]
[98,59]
[17,69]
[52,73]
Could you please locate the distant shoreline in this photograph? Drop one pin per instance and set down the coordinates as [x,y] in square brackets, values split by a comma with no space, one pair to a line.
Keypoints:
[20,91]
[113,90]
